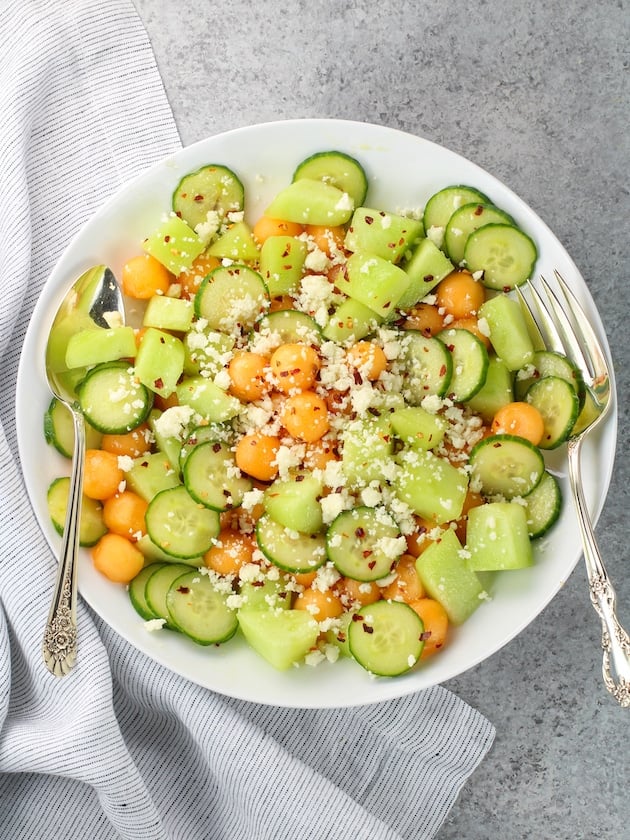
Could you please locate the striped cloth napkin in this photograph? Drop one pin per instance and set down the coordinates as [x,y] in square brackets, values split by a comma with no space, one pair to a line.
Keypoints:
[123,748]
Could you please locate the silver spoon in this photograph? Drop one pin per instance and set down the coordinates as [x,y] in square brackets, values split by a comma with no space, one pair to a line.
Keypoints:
[95,299]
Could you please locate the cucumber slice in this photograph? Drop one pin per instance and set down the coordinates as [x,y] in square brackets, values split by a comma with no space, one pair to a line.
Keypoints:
[91,525]
[231,298]
[290,550]
[549,363]
[497,537]
[338,169]
[470,363]
[386,638]
[504,253]
[364,543]
[210,188]
[179,525]
[441,206]
[465,221]
[543,505]
[199,610]
[212,477]
[289,326]
[558,402]
[112,399]
[222,432]
[382,234]
[427,367]
[136,591]
[156,589]
[59,429]
[506,465]
[311,202]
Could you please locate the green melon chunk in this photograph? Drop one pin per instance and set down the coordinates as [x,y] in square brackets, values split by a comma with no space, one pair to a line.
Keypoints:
[175,244]
[431,486]
[374,282]
[426,266]
[282,637]
[237,243]
[383,234]
[167,313]
[508,331]
[207,399]
[447,578]
[160,361]
[281,264]
[311,202]
[418,428]
[98,345]
[497,537]
[294,503]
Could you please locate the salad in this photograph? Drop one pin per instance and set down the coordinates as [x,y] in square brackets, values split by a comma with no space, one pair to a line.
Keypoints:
[329,426]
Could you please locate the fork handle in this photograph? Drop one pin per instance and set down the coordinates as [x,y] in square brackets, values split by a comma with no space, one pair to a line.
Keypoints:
[615,640]
[59,645]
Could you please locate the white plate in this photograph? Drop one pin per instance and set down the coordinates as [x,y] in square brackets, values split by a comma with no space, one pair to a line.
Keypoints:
[403,172]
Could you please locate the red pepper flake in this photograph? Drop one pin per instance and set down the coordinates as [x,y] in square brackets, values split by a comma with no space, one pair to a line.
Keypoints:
[357,617]
[216,447]
[159,383]
[387,304]
[358,379]
[299,478]
[162,340]
[262,583]
[428,277]
[167,238]
[371,564]
[424,636]
[183,589]
[359,533]
[367,628]
[198,197]
[443,370]
[478,210]
[368,220]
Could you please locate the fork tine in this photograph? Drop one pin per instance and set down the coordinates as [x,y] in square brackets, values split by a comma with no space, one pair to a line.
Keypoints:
[532,327]
[550,337]
[567,331]
[591,345]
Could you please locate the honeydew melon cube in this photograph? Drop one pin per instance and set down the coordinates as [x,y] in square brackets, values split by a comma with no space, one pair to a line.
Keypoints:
[418,428]
[150,474]
[159,361]
[497,537]
[282,637]
[96,345]
[426,267]
[496,391]
[167,313]
[351,320]
[368,444]
[294,503]
[264,595]
[175,244]
[383,234]
[237,243]
[431,486]
[206,351]
[281,263]
[207,399]
[447,578]
[508,331]
[374,282]
[311,202]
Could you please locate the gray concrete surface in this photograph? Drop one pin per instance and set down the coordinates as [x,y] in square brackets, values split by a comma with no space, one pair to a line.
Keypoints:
[538,95]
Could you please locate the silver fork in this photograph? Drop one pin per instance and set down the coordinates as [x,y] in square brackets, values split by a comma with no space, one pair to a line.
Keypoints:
[565,328]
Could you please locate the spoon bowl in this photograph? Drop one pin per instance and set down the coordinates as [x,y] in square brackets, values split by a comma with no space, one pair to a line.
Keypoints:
[94,300]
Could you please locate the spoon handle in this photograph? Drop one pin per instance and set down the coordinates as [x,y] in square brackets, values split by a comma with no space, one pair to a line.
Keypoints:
[60,636]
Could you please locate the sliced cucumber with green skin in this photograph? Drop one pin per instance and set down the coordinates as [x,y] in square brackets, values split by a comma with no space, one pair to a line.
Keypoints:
[221,432]
[559,405]
[290,550]
[362,543]
[290,326]
[548,363]
[59,429]
[156,589]
[212,187]
[543,506]
[137,594]
[441,206]
[465,221]
[506,465]
[428,367]
[212,477]
[504,253]
[112,399]
[199,610]
[179,525]
[231,298]
[338,169]
[386,638]
[91,525]
[470,363]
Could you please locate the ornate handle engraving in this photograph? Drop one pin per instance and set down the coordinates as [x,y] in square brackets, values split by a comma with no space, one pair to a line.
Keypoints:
[60,635]
[615,640]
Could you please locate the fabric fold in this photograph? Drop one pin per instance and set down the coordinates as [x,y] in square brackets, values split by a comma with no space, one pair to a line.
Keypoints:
[123,748]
